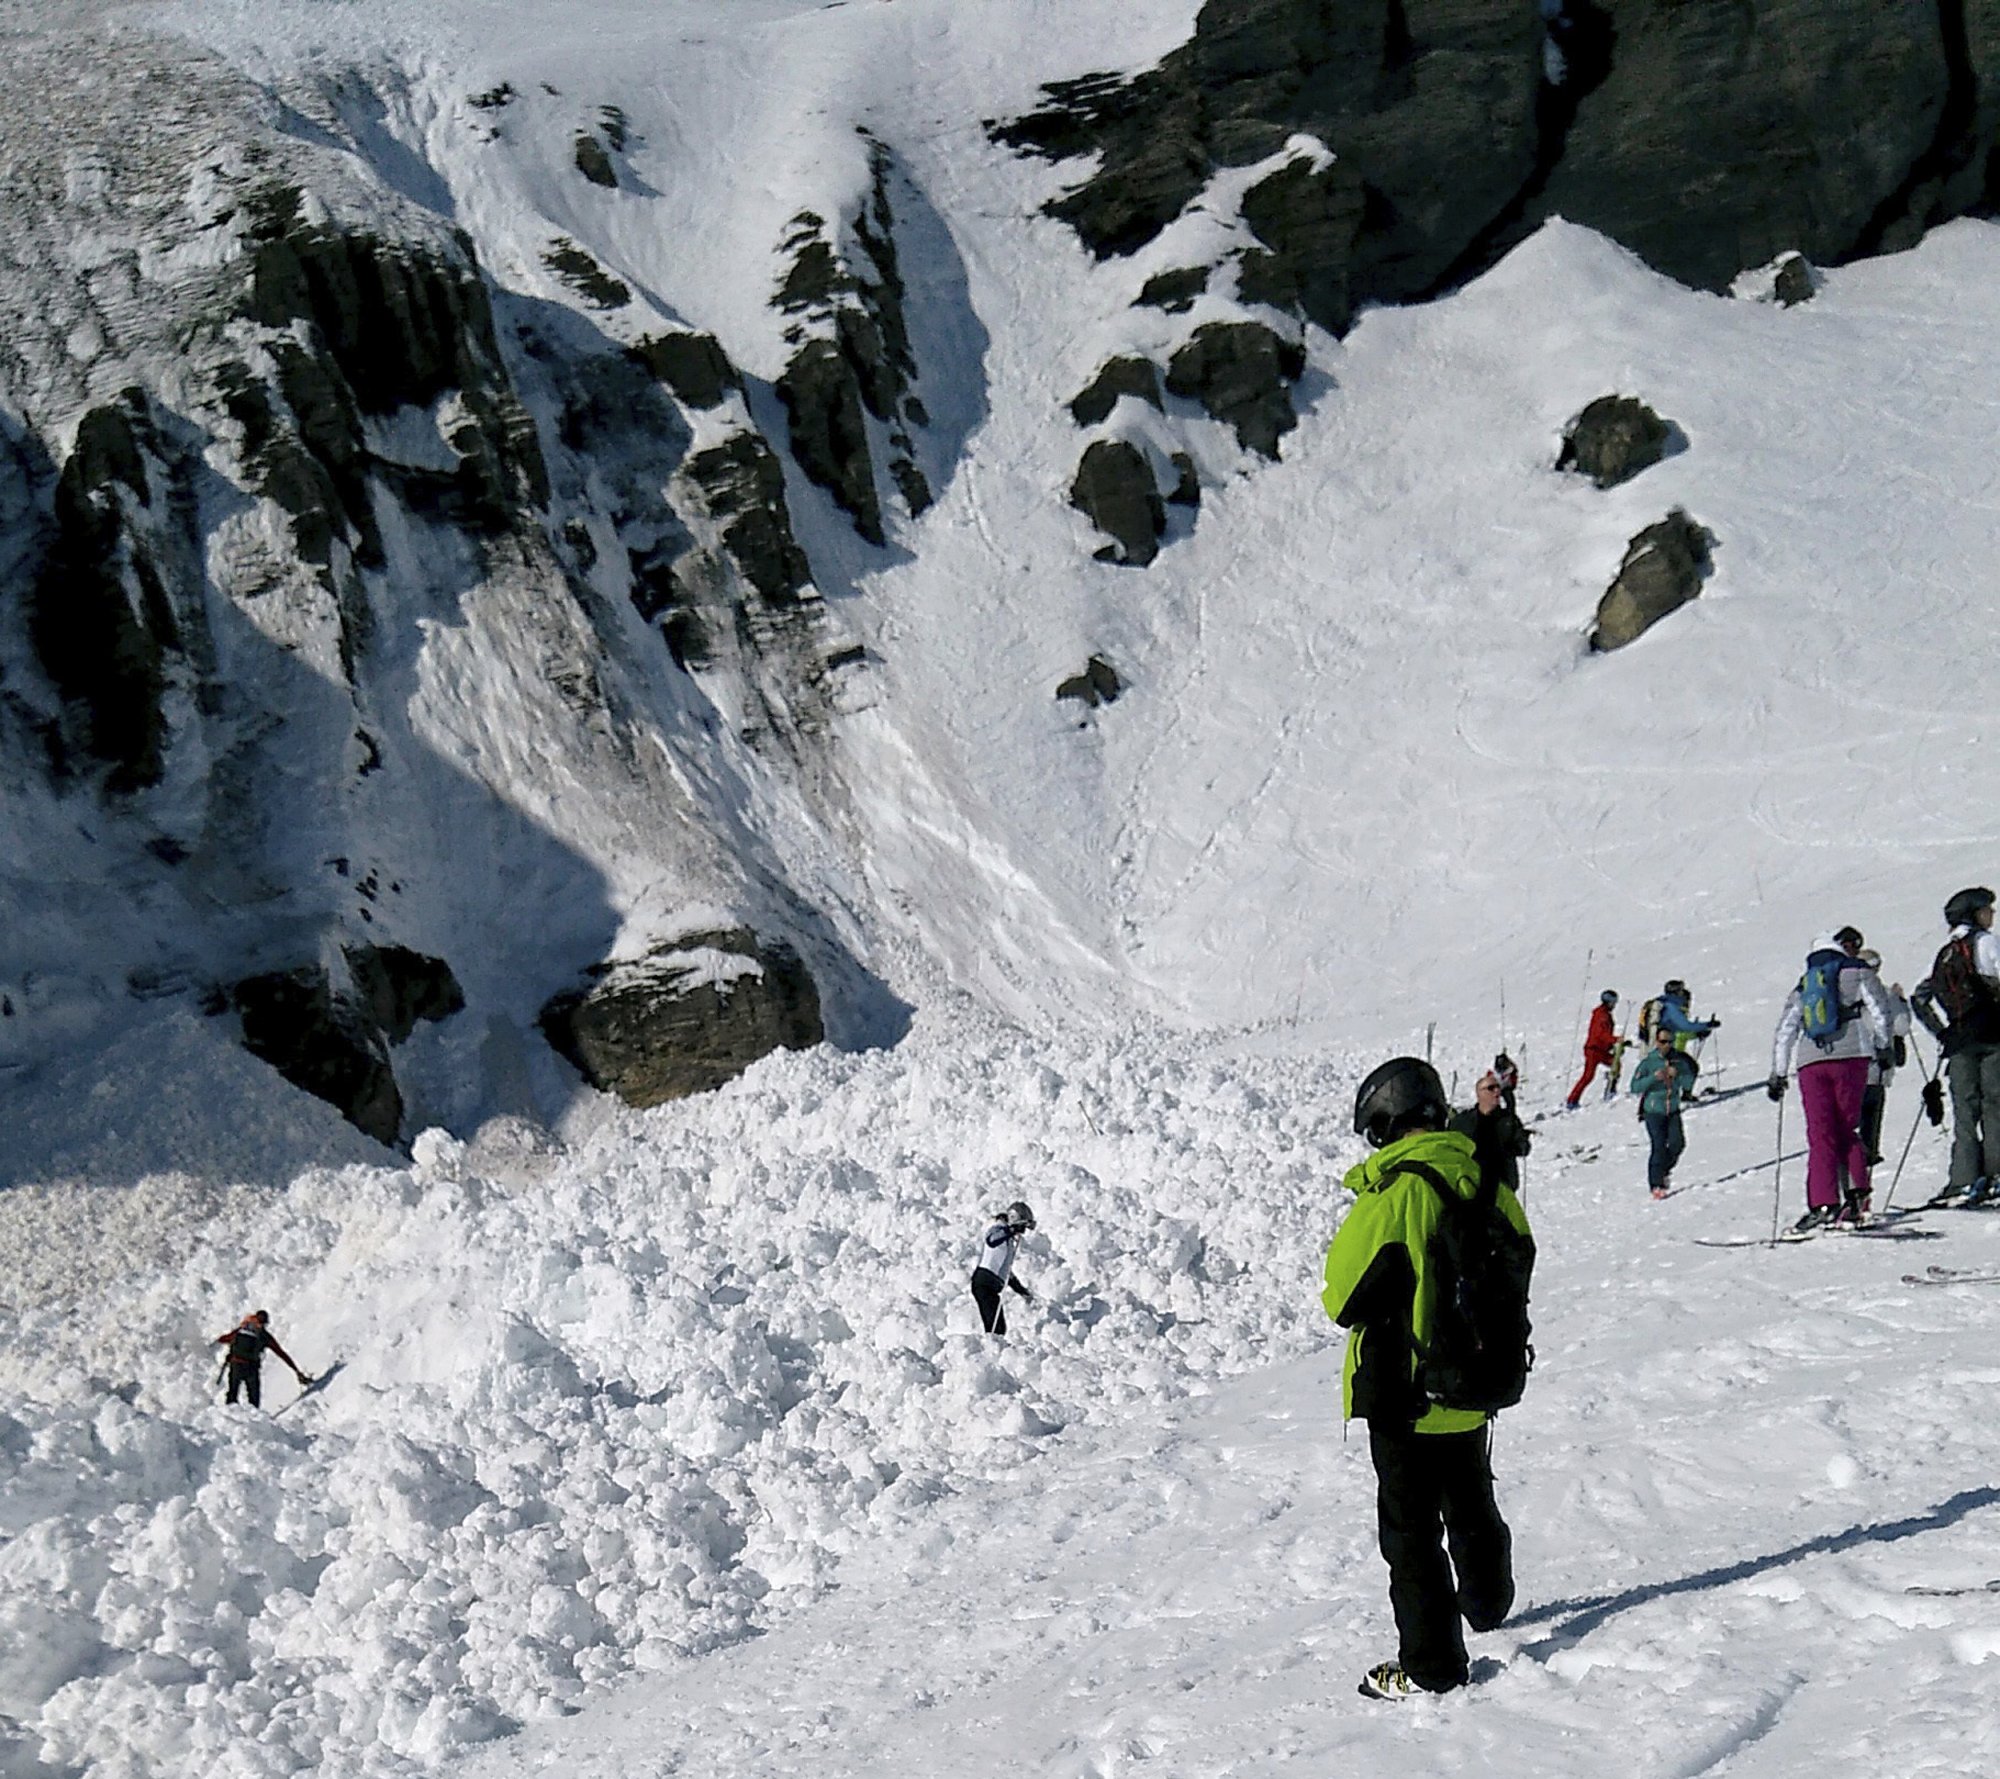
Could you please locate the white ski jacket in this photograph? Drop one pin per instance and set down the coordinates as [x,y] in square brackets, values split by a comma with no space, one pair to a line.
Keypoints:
[1867,1027]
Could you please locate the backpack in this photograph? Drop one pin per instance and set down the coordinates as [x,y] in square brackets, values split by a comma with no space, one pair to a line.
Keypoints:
[1647,1015]
[1479,1356]
[1956,982]
[246,1345]
[1821,1014]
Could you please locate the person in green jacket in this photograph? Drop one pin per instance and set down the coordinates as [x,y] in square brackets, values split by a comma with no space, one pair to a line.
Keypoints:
[1663,1080]
[1433,1468]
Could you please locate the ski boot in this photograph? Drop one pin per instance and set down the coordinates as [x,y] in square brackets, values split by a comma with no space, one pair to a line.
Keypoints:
[1818,1218]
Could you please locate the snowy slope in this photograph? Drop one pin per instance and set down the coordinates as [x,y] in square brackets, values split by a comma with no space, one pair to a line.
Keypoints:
[1360,703]
[696,1391]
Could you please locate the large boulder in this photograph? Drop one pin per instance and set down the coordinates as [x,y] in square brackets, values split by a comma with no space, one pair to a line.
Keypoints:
[687,1018]
[1242,373]
[1663,569]
[1114,486]
[1613,439]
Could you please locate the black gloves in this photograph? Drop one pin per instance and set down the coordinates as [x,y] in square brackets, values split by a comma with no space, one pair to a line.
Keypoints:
[1900,1050]
[1934,1101]
[1885,1060]
[1775,1087]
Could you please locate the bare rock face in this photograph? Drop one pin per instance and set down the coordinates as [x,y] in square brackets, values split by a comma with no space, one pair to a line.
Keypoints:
[1663,569]
[850,389]
[1613,439]
[1707,138]
[1115,488]
[1118,377]
[322,1044]
[116,611]
[333,1040]
[686,1019]
[1242,373]
[694,366]
[396,987]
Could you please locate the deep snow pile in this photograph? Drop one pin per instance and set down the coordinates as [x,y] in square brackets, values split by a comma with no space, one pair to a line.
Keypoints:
[601,1406]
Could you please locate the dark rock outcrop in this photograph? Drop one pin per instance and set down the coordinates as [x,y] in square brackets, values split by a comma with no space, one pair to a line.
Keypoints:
[584,275]
[1114,487]
[822,396]
[1098,684]
[118,600]
[686,1019]
[1707,138]
[323,1043]
[1613,439]
[849,390]
[1242,373]
[1120,376]
[333,1040]
[743,485]
[594,163]
[396,987]
[1174,291]
[694,366]
[360,326]
[1663,569]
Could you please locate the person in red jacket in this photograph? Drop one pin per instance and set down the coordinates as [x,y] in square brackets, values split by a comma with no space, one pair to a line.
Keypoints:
[1600,1045]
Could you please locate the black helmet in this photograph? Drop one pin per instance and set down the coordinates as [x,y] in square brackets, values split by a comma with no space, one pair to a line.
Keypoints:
[1958,912]
[1609,997]
[1849,937]
[1676,990]
[1403,1094]
[1018,1216]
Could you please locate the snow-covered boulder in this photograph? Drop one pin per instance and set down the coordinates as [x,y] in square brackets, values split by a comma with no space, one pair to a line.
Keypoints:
[687,1017]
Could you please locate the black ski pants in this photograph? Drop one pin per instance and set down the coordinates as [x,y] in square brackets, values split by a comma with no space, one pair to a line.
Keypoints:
[1668,1142]
[249,1380]
[986,1290]
[1432,1488]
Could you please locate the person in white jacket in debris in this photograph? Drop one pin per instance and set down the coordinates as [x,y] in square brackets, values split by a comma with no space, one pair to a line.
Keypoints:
[995,1270]
[1835,1023]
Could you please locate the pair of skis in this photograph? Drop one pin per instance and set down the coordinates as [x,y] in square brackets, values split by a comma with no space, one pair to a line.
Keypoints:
[1953,1275]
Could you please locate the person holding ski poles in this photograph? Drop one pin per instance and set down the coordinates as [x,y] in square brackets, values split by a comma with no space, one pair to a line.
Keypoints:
[1959,1003]
[247,1343]
[1600,1045]
[1838,1020]
[1433,1464]
[1663,1080]
[1671,1013]
[996,1265]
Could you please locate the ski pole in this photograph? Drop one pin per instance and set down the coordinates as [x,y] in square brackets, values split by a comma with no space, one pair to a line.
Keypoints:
[1778,1178]
[1896,1179]
[1582,995]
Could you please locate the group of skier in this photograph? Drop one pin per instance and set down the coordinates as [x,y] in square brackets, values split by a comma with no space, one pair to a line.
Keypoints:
[1844,1032]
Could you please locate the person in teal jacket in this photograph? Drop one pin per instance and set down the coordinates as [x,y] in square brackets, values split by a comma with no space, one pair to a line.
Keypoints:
[1433,1469]
[1663,1080]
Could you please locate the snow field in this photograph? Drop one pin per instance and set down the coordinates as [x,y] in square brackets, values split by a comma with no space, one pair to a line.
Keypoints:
[611,1406]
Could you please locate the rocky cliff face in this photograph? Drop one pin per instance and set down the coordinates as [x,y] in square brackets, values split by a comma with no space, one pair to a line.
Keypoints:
[374,615]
